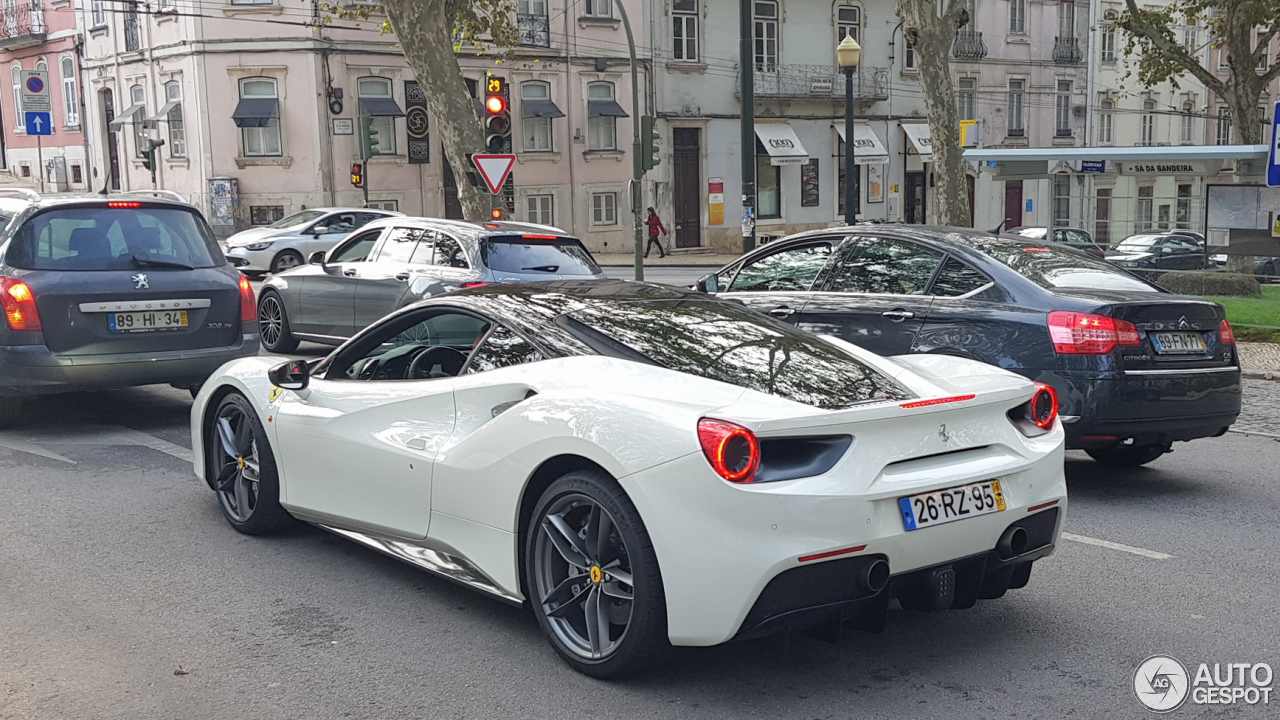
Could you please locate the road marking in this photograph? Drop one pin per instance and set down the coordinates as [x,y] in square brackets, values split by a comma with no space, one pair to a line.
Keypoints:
[1116,546]
[140,438]
[14,442]
[31,441]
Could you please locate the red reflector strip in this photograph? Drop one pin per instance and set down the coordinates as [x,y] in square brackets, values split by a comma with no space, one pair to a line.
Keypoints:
[121,204]
[833,553]
[1036,249]
[474,284]
[936,401]
[1042,506]
[539,237]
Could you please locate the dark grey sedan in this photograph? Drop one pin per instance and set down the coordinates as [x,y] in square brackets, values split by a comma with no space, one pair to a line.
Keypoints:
[394,262]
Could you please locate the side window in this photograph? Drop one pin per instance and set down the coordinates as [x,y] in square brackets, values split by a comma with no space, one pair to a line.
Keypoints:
[356,249]
[437,346]
[791,269]
[956,279]
[362,219]
[340,223]
[887,267]
[449,253]
[399,245]
[502,348]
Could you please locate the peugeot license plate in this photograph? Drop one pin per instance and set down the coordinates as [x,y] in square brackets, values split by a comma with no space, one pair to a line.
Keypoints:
[957,503]
[1179,343]
[147,321]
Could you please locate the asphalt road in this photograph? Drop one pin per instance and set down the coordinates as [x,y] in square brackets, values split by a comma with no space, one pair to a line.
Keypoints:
[117,570]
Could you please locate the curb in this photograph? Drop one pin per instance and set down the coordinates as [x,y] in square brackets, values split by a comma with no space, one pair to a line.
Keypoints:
[1273,376]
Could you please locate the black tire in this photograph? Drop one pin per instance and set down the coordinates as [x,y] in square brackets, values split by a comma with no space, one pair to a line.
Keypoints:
[1131,456]
[286,260]
[10,410]
[251,505]
[577,500]
[273,324]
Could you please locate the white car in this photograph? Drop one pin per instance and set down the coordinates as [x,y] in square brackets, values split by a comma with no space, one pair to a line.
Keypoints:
[288,242]
[645,466]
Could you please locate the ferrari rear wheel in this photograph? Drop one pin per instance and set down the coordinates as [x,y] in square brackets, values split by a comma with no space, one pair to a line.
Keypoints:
[593,577]
[1128,455]
[243,469]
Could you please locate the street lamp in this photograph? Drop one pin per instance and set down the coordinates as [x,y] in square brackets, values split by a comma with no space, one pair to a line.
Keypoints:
[848,52]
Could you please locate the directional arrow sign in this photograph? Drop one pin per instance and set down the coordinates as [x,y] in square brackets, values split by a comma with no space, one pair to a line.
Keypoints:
[38,123]
[494,169]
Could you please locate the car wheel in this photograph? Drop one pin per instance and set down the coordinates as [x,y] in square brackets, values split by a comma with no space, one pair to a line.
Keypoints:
[239,459]
[10,410]
[593,579]
[286,260]
[273,325]
[1128,455]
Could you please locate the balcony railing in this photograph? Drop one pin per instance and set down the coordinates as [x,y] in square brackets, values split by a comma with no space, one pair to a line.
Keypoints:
[22,24]
[534,30]
[1063,132]
[1067,50]
[968,46]
[1016,132]
[820,81]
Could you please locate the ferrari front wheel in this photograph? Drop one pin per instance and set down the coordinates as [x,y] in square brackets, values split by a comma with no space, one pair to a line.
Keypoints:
[593,577]
[243,469]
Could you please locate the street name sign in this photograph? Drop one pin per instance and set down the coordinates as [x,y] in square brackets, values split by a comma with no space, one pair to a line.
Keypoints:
[494,168]
[35,91]
[1273,162]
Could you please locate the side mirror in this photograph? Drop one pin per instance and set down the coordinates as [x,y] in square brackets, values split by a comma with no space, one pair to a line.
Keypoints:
[708,283]
[317,258]
[320,230]
[293,375]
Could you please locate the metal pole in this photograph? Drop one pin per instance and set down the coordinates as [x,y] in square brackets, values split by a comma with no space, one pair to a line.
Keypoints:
[637,166]
[746,65]
[40,159]
[850,167]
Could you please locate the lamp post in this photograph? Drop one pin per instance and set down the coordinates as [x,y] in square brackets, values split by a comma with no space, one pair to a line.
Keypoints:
[848,53]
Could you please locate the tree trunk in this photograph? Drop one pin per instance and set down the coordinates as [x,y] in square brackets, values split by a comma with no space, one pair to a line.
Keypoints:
[425,33]
[931,37]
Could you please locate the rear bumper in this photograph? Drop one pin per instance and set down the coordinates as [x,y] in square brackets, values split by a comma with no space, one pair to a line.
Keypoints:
[33,370]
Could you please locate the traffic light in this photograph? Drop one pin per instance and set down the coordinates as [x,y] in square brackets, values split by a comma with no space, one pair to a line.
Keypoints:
[368,138]
[649,139]
[149,153]
[357,174]
[497,116]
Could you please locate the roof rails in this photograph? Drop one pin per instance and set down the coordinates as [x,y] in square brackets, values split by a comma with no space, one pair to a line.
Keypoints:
[28,193]
[157,193]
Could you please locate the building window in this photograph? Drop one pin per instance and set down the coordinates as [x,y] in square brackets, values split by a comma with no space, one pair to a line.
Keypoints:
[1188,124]
[1108,45]
[1018,16]
[537,130]
[848,23]
[1066,19]
[1183,218]
[1224,61]
[598,8]
[966,98]
[604,208]
[25,170]
[684,30]
[1102,218]
[163,5]
[1142,221]
[177,128]
[138,96]
[70,97]
[384,125]
[1105,116]
[768,185]
[1148,123]
[766,35]
[263,140]
[19,118]
[1191,40]
[1016,128]
[265,214]
[1061,200]
[538,209]
[909,60]
[602,132]
[99,13]
[77,174]
[389,205]
[1062,114]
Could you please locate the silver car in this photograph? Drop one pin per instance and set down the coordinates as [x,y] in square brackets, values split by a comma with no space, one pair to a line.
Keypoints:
[287,242]
[397,261]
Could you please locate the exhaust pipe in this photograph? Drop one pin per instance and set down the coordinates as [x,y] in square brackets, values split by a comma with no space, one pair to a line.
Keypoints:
[1012,543]
[874,576]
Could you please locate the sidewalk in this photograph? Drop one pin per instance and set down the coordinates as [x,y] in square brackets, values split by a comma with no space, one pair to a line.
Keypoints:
[671,260]
[1260,360]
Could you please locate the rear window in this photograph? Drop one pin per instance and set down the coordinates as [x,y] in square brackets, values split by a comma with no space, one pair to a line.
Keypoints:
[102,238]
[733,344]
[1052,268]
[529,255]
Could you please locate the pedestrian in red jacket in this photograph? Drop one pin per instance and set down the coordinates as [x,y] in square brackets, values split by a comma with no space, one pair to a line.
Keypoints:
[655,225]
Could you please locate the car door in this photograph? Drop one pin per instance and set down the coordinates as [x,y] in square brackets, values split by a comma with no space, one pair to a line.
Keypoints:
[385,280]
[875,296]
[780,282]
[357,446]
[327,304]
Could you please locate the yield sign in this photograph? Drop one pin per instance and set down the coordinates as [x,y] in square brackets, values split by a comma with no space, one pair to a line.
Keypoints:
[494,169]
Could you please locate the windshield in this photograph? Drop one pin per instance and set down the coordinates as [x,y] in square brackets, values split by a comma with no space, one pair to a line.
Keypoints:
[298,218]
[529,255]
[103,238]
[1138,243]
[733,344]
[1055,268]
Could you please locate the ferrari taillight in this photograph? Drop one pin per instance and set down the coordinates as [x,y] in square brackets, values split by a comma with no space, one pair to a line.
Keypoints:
[732,450]
[1084,334]
[19,305]
[248,304]
[1043,408]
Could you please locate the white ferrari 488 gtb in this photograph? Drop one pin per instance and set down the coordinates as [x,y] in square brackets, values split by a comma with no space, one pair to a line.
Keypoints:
[645,466]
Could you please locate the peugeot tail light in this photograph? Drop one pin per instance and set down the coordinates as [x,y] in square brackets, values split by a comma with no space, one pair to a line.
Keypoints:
[19,305]
[248,303]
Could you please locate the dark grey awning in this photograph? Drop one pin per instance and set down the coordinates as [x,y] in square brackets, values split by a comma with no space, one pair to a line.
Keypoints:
[256,112]
[540,108]
[163,114]
[126,117]
[605,108]
[380,107]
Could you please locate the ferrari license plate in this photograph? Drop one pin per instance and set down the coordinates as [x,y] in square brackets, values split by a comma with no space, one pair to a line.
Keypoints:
[1180,343]
[147,321]
[957,503]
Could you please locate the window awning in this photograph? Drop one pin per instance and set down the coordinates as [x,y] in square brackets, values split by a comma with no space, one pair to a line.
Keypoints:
[163,113]
[605,108]
[919,135]
[126,117]
[867,148]
[781,143]
[380,107]
[542,109]
[256,112]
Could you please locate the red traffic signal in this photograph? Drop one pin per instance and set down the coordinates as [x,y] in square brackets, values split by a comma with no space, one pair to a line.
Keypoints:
[357,174]
[496,213]
[495,104]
